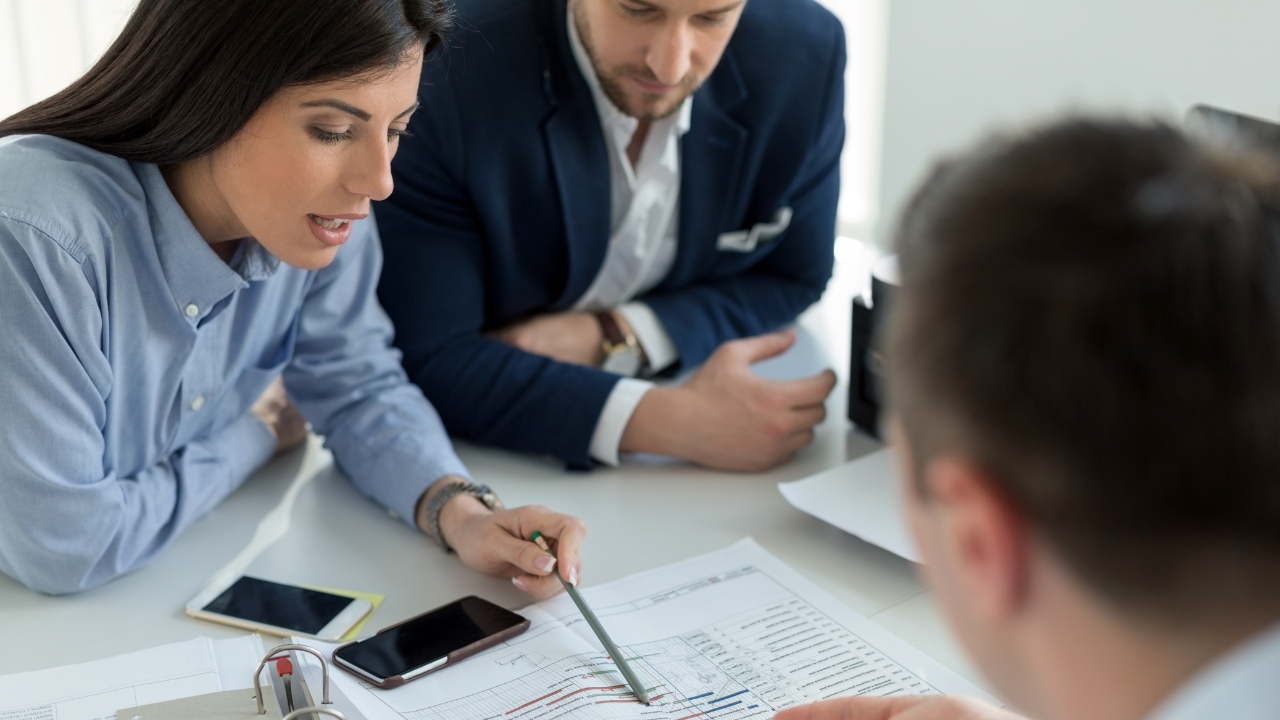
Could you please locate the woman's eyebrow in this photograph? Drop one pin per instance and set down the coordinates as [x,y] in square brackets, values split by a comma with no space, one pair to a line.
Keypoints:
[339,105]
[412,107]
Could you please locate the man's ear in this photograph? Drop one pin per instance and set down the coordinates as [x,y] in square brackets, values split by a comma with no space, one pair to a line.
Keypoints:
[982,535]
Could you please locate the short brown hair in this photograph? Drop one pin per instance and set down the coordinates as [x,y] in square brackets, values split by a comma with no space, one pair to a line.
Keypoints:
[1092,312]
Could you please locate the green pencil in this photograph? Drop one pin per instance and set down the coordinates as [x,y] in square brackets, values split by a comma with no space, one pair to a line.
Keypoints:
[594,622]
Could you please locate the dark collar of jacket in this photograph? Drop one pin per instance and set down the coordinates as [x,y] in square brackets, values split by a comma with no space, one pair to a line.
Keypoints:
[711,157]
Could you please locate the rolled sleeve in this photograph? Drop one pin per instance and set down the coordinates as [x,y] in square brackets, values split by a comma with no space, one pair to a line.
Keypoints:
[347,380]
[68,521]
[237,450]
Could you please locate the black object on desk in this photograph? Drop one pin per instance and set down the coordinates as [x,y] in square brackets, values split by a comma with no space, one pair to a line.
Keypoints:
[866,361]
[1216,121]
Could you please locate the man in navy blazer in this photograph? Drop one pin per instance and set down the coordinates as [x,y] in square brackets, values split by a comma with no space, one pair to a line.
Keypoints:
[597,191]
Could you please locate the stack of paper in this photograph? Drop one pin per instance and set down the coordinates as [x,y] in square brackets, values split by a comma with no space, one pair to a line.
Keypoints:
[859,497]
[95,690]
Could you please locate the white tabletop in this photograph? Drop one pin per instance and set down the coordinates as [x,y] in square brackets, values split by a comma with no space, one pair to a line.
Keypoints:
[640,516]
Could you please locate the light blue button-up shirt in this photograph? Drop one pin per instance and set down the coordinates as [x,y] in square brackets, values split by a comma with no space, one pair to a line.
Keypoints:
[130,355]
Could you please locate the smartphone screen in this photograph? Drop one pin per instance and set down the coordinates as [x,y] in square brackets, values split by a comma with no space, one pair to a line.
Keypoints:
[284,606]
[427,638]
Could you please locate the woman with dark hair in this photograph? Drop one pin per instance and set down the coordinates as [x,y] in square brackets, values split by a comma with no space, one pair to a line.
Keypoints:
[179,228]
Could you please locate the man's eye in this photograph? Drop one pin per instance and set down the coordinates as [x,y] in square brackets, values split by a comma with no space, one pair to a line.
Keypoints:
[636,11]
[330,137]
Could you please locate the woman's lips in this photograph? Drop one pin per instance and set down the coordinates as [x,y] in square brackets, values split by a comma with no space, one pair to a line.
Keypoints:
[331,230]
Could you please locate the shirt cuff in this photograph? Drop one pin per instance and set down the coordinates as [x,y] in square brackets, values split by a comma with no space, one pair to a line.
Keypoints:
[617,412]
[658,347]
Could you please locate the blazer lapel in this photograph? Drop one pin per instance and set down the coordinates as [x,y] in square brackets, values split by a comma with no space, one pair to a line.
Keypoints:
[710,172]
[575,144]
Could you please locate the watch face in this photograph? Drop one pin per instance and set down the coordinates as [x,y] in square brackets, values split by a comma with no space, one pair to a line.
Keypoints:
[624,362]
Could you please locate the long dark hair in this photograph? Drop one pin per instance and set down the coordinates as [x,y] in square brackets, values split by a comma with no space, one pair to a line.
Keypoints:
[186,75]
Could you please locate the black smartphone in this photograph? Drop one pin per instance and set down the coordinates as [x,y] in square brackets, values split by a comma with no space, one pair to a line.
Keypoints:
[429,642]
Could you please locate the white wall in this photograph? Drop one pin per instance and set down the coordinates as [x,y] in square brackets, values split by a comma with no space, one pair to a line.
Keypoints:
[864,27]
[45,44]
[958,68]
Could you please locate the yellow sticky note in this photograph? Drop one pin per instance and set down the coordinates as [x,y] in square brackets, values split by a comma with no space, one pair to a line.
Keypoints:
[373,598]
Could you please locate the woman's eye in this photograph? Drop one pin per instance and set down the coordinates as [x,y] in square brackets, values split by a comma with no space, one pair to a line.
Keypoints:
[330,137]
[635,11]
[393,133]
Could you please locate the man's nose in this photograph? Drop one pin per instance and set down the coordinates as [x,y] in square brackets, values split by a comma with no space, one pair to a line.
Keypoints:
[671,55]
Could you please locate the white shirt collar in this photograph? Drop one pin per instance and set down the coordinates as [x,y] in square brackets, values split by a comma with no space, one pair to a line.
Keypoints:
[1242,685]
[619,125]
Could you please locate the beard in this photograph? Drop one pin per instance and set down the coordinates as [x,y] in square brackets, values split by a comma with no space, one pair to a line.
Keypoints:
[630,100]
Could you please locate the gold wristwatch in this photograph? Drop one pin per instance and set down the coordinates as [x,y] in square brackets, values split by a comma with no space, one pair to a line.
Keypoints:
[622,353]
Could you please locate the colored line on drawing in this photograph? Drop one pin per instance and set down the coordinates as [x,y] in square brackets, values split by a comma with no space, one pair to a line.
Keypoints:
[697,714]
[719,708]
[582,690]
[695,697]
[627,700]
[531,702]
[726,697]
[625,692]
[752,707]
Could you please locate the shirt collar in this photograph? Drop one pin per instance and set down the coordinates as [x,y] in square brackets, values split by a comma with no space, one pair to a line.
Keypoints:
[618,124]
[1241,685]
[196,276]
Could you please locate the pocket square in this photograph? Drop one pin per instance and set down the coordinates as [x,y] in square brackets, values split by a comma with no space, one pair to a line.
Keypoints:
[759,234]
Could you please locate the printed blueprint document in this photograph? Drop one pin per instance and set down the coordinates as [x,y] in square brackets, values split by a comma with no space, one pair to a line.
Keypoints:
[95,690]
[734,634]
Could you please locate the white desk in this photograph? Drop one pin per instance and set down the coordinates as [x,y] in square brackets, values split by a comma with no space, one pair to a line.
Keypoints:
[640,516]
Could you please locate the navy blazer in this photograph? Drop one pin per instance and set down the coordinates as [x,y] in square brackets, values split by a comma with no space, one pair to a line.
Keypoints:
[502,209]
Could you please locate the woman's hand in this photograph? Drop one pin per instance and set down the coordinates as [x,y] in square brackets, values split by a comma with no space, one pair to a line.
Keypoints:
[933,707]
[498,543]
[281,417]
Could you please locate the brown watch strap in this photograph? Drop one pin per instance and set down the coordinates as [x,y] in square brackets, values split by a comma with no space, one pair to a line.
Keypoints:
[609,327]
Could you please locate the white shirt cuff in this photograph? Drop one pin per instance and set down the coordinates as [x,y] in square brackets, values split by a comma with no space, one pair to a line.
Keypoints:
[614,417]
[652,335]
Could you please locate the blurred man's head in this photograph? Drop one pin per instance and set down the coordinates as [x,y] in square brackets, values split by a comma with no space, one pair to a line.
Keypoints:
[652,54]
[1085,375]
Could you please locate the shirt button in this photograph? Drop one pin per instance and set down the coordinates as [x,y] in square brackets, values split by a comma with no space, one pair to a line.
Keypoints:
[192,310]
[197,402]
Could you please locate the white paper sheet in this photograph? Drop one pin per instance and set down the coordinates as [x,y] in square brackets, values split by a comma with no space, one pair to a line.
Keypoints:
[95,690]
[733,634]
[859,497]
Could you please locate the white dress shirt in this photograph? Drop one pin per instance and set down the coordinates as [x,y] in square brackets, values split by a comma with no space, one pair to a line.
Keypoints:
[1243,685]
[642,243]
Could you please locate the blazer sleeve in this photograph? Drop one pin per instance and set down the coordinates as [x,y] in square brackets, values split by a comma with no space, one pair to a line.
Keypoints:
[434,288]
[795,272]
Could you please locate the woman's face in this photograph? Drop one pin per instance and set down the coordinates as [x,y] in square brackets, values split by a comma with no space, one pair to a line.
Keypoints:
[309,162]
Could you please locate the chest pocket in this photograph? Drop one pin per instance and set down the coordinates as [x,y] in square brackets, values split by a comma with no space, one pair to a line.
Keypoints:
[253,380]
[745,241]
